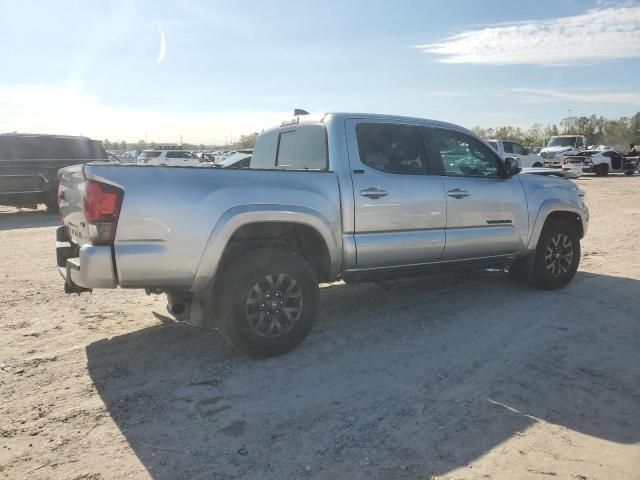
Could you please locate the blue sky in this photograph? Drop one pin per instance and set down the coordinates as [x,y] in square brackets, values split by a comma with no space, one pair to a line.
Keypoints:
[209,70]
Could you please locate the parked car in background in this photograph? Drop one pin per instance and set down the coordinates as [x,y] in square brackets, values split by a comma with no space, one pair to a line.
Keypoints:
[357,197]
[507,148]
[169,158]
[29,164]
[561,146]
[601,162]
[236,160]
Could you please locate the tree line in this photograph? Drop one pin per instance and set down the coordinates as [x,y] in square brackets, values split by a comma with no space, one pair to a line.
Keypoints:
[598,130]
[245,141]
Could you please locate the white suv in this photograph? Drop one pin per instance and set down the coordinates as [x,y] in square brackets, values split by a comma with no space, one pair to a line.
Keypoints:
[171,158]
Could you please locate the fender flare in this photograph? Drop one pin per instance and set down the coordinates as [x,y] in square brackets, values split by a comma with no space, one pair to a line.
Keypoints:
[547,208]
[241,215]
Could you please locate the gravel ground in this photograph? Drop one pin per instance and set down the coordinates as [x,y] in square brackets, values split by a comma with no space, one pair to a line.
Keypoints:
[448,378]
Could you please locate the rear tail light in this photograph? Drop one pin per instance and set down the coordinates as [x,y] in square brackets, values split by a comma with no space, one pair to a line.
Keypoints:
[101,210]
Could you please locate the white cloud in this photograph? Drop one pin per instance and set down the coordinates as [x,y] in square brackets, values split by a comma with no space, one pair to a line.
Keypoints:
[578,96]
[162,52]
[594,36]
[38,109]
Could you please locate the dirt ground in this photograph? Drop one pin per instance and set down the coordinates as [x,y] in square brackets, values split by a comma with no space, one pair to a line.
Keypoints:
[448,378]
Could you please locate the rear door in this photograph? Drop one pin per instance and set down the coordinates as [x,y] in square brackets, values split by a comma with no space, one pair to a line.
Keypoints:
[399,206]
[486,212]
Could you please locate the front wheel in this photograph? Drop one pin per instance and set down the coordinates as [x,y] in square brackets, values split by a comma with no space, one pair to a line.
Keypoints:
[629,173]
[537,165]
[557,256]
[267,302]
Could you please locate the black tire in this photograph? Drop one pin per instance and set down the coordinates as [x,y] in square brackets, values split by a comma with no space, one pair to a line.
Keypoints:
[602,170]
[537,165]
[51,201]
[238,302]
[629,173]
[550,272]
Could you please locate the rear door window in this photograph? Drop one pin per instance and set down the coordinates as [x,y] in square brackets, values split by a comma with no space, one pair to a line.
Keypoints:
[392,148]
[508,147]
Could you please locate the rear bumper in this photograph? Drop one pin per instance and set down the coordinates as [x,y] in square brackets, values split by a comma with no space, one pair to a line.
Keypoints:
[90,266]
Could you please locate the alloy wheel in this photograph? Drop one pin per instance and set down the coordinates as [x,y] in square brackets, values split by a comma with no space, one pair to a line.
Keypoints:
[274,305]
[558,255]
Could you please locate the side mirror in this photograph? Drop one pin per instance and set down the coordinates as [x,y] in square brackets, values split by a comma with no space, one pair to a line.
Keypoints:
[512,166]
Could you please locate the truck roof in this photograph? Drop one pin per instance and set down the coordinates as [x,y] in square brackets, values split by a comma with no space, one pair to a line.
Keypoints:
[316,119]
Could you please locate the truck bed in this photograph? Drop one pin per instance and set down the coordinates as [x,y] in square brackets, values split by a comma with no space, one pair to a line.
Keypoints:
[169,215]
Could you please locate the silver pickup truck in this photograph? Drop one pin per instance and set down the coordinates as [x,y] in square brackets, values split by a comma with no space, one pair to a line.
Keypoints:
[357,197]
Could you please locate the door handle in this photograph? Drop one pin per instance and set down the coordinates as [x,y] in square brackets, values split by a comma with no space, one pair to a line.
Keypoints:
[458,193]
[373,192]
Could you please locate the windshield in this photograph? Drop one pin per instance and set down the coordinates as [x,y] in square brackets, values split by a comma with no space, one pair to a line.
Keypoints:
[494,145]
[562,142]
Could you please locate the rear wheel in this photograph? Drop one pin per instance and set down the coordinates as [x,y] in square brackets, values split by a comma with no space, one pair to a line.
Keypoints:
[557,256]
[51,200]
[267,302]
[537,165]
[629,173]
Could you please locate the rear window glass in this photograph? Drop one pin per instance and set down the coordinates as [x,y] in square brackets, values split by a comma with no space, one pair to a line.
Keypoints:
[54,148]
[150,154]
[286,149]
[302,147]
[264,155]
[305,148]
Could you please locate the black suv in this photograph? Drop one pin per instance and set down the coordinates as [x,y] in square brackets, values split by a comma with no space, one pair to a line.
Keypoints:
[29,165]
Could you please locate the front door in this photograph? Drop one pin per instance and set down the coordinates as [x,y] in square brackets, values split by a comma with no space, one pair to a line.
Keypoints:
[486,211]
[399,207]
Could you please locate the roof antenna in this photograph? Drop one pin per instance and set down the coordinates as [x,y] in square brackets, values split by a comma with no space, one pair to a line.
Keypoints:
[299,111]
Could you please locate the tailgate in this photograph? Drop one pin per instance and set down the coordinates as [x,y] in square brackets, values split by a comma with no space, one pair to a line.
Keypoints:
[70,198]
